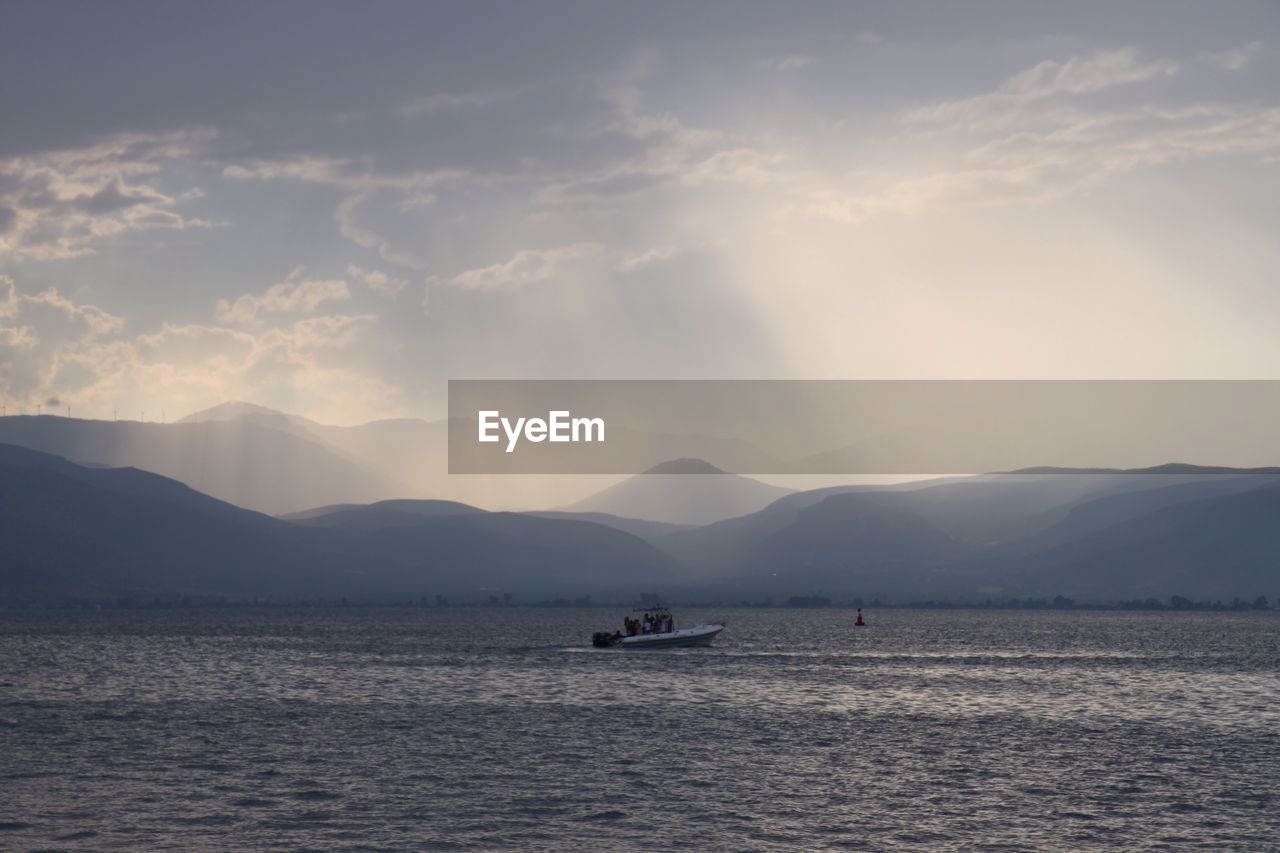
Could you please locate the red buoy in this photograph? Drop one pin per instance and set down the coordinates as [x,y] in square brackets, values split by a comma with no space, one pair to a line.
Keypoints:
[858,623]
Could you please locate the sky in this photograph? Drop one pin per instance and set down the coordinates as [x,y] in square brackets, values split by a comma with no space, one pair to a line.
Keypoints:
[334,208]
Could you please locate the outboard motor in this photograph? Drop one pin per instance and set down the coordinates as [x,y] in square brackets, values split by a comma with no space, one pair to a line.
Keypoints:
[603,639]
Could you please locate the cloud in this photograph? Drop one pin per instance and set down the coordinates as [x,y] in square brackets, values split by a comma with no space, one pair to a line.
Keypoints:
[97,321]
[1048,79]
[360,182]
[41,338]
[633,263]
[49,301]
[1234,58]
[525,267]
[376,280]
[1034,166]
[366,238]
[352,174]
[54,347]
[117,196]
[62,204]
[294,295]
[334,331]
[585,178]
[429,105]
[347,173]
[1022,145]
[624,147]
[787,63]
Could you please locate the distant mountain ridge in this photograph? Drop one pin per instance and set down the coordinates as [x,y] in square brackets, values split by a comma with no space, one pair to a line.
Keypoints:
[1004,535]
[73,532]
[1175,468]
[410,453]
[681,491]
[279,463]
[238,410]
[242,462]
[684,466]
[101,522]
[403,506]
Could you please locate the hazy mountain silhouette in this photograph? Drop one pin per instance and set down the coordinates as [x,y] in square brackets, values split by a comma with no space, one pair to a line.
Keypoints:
[400,506]
[409,452]
[240,411]
[1012,534]
[72,531]
[240,461]
[647,530]
[95,533]
[969,509]
[682,491]
[409,457]
[394,513]
[401,449]
[684,466]
[851,542]
[1213,539]
[399,512]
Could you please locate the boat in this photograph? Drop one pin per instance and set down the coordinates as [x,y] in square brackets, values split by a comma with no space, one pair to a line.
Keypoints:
[635,638]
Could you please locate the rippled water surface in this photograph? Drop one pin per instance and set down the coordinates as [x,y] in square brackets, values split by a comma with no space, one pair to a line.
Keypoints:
[499,729]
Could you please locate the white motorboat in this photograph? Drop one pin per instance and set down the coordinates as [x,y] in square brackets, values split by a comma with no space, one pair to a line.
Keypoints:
[702,635]
[656,631]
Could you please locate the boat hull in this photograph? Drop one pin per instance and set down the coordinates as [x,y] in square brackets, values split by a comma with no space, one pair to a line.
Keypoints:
[703,635]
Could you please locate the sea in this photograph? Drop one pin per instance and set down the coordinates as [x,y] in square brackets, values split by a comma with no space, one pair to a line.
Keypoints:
[502,729]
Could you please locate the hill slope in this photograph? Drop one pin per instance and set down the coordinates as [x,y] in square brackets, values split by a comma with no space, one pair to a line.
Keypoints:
[1097,536]
[1209,541]
[684,491]
[239,461]
[73,532]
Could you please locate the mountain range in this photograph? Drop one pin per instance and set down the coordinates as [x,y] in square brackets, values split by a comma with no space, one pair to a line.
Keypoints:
[277,463]
[1091,535]
[76,532]
[245,462]
[682,491]
[243,502]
